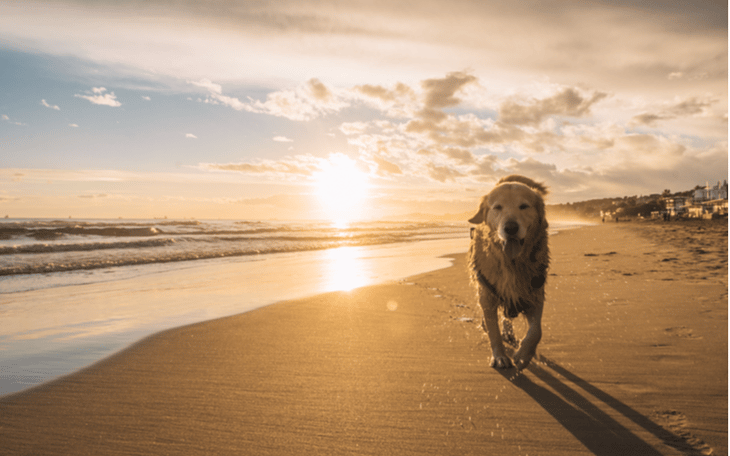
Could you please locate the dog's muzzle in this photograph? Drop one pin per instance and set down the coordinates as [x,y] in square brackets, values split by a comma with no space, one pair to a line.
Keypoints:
[512,245]
[511,229]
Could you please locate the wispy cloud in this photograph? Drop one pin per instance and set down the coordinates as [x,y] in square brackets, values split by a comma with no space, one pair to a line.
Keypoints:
[290,167]
[45,103]
[94,196]
[7,119]
[569,102]
[146,98]
[209,85]
[679,108]
[305,102]
[282,139]
[98,97]
[215,96]
[191,136]
[73,125]
[646,44]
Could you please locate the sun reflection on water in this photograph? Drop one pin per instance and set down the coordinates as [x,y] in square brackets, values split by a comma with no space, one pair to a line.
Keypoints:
[341,224]
[344,269]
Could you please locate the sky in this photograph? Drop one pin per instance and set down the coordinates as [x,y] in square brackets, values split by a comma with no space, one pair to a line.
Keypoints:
[348,110]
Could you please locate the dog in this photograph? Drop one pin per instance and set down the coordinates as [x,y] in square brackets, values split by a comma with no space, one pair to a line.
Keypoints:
[508,263]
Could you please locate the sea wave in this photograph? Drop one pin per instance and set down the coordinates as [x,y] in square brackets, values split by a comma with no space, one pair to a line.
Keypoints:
[80,247]
[90,245]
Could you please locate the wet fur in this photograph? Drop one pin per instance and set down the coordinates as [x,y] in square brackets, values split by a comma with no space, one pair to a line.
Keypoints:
[519,281]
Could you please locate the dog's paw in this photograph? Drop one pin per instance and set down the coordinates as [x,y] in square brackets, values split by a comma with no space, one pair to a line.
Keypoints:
[522,359]
[501,362]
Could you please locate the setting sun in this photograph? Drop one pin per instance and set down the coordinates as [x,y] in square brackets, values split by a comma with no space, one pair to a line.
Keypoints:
[342,188]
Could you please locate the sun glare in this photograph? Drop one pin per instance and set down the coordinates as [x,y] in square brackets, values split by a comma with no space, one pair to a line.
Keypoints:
[342,189]
[344,269]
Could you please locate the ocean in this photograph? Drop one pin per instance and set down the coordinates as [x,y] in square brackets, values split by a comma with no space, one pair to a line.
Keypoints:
[34,252]
[73,292]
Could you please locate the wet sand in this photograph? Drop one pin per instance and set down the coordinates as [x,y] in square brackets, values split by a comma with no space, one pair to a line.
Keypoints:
[633,361]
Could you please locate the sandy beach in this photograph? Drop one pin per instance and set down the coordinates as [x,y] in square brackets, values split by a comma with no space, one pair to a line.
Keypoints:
[633,361]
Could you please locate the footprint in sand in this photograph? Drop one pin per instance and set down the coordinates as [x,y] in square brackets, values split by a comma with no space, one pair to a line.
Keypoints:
[682,331]
[678,436]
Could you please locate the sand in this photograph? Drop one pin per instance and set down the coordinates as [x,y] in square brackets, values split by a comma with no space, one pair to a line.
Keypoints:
[633,361]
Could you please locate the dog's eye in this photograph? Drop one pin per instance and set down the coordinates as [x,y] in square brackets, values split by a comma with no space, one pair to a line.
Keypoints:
[524,206]
[498,207]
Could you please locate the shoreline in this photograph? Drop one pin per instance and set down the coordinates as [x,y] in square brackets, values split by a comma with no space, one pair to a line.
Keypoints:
[633,357]
[89,321]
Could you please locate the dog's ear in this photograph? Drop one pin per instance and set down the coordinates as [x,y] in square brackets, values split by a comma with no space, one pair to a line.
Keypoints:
[481,215]
[540,208]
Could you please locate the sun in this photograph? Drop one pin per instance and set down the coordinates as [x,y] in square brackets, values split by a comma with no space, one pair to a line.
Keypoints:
[341,188]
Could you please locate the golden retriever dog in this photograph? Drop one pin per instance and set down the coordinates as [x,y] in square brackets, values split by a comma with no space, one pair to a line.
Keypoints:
[508,262]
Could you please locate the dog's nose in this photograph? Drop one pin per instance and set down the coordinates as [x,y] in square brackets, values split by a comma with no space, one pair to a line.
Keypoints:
[511,228]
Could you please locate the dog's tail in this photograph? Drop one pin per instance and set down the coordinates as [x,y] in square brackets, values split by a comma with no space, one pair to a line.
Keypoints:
[539,187]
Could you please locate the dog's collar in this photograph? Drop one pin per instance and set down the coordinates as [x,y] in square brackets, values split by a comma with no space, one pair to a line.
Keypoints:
[511,308]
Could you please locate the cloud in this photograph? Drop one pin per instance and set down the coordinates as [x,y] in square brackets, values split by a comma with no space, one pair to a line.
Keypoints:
[383,167]
[306,102]
[93,196]
[516,124]
[7,119]
[44,103]
[101,98]
[630,44]
[568,103]
[319,91]
[443,173]
[146,98]
[398,102]
[279,201]
[73,125]
[353,128]
[191,136]
[682,108]
[215,96]
[287,167]
[209,85]
[436,134]
[460,155]
[440,92]
[282,139]
[485,167]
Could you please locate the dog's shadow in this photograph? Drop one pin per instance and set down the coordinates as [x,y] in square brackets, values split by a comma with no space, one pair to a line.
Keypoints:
[594,428]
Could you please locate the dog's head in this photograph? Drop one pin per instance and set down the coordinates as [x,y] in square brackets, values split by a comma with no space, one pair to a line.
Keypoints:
[513,210]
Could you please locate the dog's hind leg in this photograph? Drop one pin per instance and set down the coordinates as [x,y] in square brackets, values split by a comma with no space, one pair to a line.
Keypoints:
[508,333]
[528,345]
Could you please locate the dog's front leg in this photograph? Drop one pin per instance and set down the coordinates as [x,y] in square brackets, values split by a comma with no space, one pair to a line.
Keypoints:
[528,345]
[491,326]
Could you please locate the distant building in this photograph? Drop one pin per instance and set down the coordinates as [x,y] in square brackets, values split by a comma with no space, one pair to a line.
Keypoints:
[677,205]
[717,192]
[709,201]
